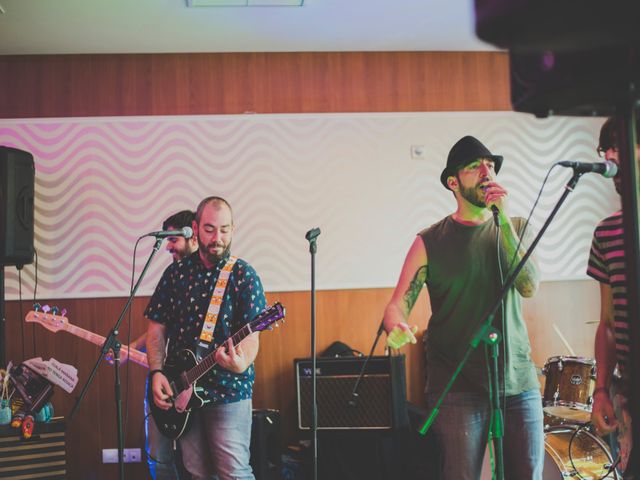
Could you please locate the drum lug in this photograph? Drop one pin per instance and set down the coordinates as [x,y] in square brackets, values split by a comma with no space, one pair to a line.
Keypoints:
[560,365]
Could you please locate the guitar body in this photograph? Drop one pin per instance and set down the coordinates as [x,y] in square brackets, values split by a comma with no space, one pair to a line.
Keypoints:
[173,423]
[184,370]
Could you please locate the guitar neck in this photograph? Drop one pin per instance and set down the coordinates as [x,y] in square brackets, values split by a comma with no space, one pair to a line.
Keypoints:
[135,355]
[209,361]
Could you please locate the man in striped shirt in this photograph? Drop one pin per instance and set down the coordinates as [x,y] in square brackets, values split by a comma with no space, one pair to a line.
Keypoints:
[607,266]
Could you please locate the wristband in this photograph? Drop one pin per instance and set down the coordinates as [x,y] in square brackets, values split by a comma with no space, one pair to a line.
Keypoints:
[599,390]
[158,370]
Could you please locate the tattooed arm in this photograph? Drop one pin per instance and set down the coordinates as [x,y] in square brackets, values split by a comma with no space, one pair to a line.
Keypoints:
[527,280]
[410,283]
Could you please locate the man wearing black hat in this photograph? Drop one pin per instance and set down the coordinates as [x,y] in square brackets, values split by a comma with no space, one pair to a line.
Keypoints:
[457,258]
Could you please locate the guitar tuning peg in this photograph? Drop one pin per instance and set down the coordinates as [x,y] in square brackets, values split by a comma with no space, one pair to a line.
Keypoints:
[36,307]
[54,310]
[46,308]
[63,312]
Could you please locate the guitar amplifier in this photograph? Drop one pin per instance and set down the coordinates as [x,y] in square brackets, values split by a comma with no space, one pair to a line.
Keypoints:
[381,401]
[41,456]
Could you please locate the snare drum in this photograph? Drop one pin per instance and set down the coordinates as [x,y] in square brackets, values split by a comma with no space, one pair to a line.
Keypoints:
[588,458]
[569,387]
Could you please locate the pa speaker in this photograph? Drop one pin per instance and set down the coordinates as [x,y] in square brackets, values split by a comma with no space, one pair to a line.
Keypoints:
[568,25]
[381,400]
[17,174]
[585,83]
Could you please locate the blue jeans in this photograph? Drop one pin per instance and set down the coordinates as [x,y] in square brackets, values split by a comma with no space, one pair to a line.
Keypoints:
[462,429]
[160,455]
[217,442]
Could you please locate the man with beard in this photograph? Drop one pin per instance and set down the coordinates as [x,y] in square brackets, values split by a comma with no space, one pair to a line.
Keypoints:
[607,266]
[457,259]
[160,452]
[217,441]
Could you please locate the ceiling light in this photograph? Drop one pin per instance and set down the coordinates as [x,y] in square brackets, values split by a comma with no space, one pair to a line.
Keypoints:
[245,3]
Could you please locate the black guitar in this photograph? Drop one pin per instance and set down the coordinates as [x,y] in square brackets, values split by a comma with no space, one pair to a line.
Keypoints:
[184,370]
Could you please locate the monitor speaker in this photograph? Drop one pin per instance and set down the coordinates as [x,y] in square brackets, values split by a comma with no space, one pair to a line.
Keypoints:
[381,400]
[17,176]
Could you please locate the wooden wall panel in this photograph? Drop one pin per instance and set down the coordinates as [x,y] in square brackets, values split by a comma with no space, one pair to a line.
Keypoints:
[235,83]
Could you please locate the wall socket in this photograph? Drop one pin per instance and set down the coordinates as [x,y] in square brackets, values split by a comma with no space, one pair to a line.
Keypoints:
[418,152]
[131,455]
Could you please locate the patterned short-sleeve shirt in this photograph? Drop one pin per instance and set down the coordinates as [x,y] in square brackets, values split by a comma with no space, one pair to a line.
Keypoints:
[180,303]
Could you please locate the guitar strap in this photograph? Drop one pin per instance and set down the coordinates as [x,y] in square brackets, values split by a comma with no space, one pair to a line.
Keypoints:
[211,319]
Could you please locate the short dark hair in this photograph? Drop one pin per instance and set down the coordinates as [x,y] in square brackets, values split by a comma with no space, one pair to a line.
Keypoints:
[208,200]
[184,218]
[609,135]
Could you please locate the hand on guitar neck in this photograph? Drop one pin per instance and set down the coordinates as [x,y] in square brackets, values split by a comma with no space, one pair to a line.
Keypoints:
[237,358]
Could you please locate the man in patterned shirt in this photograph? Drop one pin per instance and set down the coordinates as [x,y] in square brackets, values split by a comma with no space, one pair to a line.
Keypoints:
[217,441]
[607,266]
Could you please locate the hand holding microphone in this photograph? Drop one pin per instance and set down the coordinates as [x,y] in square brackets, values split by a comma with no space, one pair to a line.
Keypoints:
[494,197]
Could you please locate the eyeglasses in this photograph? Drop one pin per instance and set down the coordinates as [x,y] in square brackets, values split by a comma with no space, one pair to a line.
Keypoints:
[602,150]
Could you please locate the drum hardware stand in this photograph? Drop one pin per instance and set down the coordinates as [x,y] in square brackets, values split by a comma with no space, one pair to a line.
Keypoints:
[487,333]
[111,342]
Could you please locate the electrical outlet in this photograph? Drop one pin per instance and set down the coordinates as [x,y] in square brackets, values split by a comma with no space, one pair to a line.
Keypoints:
[130,455]
[418,152]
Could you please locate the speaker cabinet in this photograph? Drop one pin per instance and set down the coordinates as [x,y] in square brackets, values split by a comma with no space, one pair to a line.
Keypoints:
[381,400]
[586,83]
[17,175]
[266,445]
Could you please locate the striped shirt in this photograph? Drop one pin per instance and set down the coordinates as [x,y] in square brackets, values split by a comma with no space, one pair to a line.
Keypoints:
[606,265]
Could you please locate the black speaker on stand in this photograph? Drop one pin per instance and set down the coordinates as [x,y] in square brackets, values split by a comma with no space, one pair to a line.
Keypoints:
[17,177]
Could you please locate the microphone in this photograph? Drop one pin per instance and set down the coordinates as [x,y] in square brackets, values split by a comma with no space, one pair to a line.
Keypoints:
[607,168]
[312,234]
[494,210]
[185,232]
[496,218]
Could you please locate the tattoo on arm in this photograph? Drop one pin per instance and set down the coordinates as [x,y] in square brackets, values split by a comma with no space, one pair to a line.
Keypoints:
[155,349]
[411,295]
[527,280]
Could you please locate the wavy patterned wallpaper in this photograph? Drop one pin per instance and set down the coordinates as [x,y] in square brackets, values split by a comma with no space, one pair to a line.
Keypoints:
[102,182]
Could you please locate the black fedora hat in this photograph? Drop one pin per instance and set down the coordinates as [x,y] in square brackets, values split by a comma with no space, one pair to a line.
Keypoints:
[465,151]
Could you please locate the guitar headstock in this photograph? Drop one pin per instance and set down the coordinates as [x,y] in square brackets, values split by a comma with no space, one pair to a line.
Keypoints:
[268,317]
[50,321]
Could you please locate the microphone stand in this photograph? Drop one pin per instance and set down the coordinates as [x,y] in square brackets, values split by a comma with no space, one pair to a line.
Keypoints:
[353,401]
[311,236]
[491,337]
[111,342]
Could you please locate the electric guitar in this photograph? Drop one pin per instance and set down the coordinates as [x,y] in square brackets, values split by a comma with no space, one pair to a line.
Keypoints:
[55,323]
[183,370]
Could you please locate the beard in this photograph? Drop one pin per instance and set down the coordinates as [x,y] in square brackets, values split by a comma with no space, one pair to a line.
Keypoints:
[213,258]
[473,195]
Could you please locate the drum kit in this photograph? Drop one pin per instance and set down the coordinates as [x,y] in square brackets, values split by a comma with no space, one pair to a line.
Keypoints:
[572,450]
